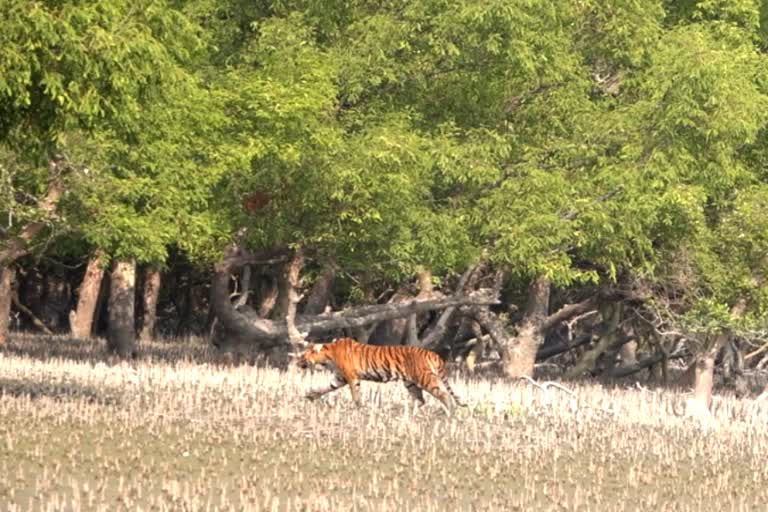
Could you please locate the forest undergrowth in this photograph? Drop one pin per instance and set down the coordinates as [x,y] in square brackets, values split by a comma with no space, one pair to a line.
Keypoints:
[179,429]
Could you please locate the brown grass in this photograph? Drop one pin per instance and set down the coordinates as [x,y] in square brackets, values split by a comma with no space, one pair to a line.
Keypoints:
[177,431]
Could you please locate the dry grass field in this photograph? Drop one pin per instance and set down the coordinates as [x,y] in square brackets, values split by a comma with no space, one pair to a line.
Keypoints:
[175,430]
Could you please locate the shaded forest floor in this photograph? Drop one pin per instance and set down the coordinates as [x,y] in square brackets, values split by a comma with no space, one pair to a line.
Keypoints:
[178,431]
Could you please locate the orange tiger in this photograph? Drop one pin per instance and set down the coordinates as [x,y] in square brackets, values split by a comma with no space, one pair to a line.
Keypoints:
[352,362]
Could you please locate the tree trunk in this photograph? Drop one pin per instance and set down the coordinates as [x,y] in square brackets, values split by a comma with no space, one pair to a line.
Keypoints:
[703,382]
[476,350]
[702,372]
[121,338]
[704,369]
[267,297]
[150,295]
[6,294]
[98,326]
[18,245]
[611,314]
[426,291]
[30,288]
[320,294]
[57,301]
[290,288]
[245,286]
[81,320]
[518,359]
[628,354]
[394,331]
[288,284]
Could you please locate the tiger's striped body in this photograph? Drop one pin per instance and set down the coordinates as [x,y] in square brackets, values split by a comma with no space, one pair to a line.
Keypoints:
[353,362]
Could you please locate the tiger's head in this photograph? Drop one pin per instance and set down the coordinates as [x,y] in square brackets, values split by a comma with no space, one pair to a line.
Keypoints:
[316,354]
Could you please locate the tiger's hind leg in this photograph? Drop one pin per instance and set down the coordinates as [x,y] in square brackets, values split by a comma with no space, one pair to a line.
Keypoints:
[415,391]
[418,396]
[336,383]
[439,390]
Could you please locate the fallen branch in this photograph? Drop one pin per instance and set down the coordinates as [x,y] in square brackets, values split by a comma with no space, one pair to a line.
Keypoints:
[576,403]
[620,372]
[24,309]
[756,352]
[544,385]
[269,333]
[545,352]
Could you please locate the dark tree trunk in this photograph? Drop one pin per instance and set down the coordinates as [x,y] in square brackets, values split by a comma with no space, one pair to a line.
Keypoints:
[320,294]
[99,325]
[122,336]
[426,292]
[150,295]
[394,331]
[31,290]
[268,296]
[29,314]
[245,286]
[56,301]
[6,294]
[609,334]
[81,320]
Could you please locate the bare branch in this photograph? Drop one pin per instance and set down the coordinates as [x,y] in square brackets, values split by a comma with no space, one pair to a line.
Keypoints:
[17,246]
[544,385]
[24,309]
[436,334]
[568,311]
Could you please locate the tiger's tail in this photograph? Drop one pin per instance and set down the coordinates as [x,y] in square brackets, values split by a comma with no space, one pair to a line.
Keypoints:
[453,393]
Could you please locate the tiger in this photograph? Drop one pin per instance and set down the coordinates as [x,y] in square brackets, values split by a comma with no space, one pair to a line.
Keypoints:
[351,362]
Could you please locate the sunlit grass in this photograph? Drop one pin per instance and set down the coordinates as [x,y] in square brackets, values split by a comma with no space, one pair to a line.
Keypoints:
[178,430]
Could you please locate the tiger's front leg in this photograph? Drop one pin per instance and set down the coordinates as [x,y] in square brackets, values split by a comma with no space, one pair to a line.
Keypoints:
[336,383]
[354,388]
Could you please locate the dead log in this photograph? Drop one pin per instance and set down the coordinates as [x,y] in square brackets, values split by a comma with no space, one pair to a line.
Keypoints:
[267,333]
[545,352]
[618,372]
